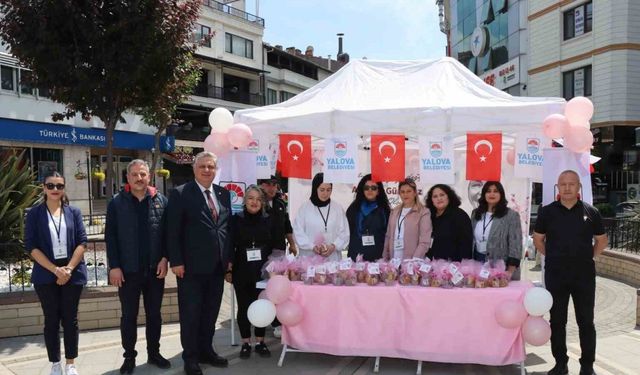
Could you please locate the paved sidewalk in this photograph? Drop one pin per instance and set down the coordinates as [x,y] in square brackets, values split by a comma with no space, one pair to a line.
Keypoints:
[100,351]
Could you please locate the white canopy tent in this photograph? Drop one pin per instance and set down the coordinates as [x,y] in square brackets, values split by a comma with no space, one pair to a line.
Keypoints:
[411,97]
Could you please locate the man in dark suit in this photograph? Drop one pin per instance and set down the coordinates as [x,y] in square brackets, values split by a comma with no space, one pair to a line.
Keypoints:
[199,243]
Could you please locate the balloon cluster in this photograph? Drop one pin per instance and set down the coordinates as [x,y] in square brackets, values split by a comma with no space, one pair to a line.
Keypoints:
[535,330]
[573,126]
[225,134]
[274,302]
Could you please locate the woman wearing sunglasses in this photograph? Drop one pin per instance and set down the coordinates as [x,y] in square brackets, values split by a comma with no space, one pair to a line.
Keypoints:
[55,238]
[368,216]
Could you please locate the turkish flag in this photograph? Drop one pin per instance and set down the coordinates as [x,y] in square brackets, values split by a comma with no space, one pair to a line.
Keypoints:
[295,155]
[387,157]
[484,156]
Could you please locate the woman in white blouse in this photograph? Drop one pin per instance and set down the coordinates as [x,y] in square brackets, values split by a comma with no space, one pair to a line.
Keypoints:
[321,226]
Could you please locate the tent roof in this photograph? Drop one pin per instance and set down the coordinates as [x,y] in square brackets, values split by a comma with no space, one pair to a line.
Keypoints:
[411,97]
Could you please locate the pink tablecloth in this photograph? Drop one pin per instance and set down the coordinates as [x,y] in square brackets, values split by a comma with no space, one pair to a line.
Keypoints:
[429,324]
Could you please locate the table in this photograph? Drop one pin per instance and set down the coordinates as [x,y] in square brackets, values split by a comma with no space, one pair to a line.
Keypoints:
[410,322]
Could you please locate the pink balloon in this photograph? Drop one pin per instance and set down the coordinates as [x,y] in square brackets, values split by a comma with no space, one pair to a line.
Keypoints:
[578,139]
[536,331]
[578,110]
[218,143]
[511,314]
[554,125]
[289,313]
[263,295]
[240,135]
[278,289]
[511,156]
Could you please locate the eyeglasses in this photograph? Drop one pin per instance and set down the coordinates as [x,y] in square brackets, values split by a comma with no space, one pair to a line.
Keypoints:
[370,187]
[51,186]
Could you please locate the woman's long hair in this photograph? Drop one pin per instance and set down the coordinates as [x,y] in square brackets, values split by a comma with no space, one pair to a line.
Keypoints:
[64,199]
[412,184]
[501,207]
[454,200]
[261,194]
[381,199]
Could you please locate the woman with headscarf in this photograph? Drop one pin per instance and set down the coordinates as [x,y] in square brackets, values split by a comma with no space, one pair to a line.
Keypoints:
[320,226]
[368,216]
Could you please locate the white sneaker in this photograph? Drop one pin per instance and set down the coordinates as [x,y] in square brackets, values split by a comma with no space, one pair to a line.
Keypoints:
[277,332]
[70,370]
[56,369]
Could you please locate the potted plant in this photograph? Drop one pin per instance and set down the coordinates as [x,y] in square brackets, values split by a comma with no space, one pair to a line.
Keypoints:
[98,175]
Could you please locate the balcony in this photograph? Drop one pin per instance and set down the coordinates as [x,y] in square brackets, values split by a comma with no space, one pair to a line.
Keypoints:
[224,8]
[216,92]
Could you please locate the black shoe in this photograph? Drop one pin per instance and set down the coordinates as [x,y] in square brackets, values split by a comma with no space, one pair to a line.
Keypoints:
[559,369]
[128,366]
[587,371]
[262,350]
[192,369]
[245,351]
[158,361]
[214,360]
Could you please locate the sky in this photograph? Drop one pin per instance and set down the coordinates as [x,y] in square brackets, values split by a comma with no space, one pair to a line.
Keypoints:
[375,29]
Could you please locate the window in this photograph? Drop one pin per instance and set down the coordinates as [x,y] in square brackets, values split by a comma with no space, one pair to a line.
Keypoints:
[578,20]
[238,46]
[284,96]
[26,86]
[202,35]
[7,78]
[576,82]
[272,96]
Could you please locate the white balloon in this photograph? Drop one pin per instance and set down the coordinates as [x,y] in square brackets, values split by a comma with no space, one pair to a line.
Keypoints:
[538,301]
[261,313]
[220,120]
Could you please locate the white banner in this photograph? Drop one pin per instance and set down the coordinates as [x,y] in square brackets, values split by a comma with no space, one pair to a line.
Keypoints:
[264,157]
[529,156]
[436,160]
[237,166]
[557,160]
[340,159]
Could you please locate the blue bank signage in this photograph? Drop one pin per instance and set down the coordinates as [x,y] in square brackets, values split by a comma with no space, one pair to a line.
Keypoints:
[29,131]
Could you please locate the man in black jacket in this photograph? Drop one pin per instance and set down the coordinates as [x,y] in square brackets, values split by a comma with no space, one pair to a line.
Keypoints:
[137,260]
[277,209]
[199,243]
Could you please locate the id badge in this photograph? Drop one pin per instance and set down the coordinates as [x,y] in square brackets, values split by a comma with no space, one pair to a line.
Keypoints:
[368,241]
[59,250]
[398,244]
[253,254]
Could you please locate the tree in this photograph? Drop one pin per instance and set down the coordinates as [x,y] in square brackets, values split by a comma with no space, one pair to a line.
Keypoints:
[100,58]
[17,193]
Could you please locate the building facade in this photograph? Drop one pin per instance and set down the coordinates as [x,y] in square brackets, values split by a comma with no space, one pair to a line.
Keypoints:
[490,38]
[592,48]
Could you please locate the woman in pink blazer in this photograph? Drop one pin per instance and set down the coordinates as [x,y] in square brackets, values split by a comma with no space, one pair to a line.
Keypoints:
[409,229]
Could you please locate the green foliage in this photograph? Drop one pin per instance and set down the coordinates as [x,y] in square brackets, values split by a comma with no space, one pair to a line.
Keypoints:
[17,193]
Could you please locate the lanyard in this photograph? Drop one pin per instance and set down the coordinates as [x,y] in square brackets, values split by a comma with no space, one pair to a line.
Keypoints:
[401,221]
[325,220]
[57,227]
[485,226]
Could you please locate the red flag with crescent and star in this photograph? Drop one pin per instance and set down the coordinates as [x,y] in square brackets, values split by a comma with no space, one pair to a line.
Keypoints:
[387,157]
[295,155]
[484,156]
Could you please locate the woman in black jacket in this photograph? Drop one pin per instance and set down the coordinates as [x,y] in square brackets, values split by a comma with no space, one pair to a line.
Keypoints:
[452,238]
[253,243]
[368,216]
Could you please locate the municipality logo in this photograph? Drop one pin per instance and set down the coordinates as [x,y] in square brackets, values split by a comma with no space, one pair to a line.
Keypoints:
[253,145]
[340,148]
[435,149]
[533,145]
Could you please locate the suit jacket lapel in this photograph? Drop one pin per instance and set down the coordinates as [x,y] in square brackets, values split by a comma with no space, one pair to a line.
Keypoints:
[46,233]
[202,202]
[68,219]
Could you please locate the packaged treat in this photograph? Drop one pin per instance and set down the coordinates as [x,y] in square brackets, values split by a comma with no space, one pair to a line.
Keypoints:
[333,276]
[320,277]
[389,273]
[372,274]
[309,274]
[482,278]
[409,274]
[442,274]
[346,271]
[350,278]
[296,268]
[361,267]
[468,270]
[425,273]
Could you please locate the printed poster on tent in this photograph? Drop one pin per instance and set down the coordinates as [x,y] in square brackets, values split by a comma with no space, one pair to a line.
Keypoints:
[340,159]
[264,157]
[436,160]
[529,157]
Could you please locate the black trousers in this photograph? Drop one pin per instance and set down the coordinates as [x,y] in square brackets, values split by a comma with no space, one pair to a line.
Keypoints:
[152,290]
[578,281]
[60,304]
[199,298]
[246,293]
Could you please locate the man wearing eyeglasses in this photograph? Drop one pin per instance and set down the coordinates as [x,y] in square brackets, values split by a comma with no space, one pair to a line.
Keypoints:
[137,258]
[199,243]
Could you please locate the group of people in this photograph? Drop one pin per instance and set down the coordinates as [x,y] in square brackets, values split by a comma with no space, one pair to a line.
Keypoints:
[195,233]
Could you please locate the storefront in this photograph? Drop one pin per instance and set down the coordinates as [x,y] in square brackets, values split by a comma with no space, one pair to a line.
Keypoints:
[76,152]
